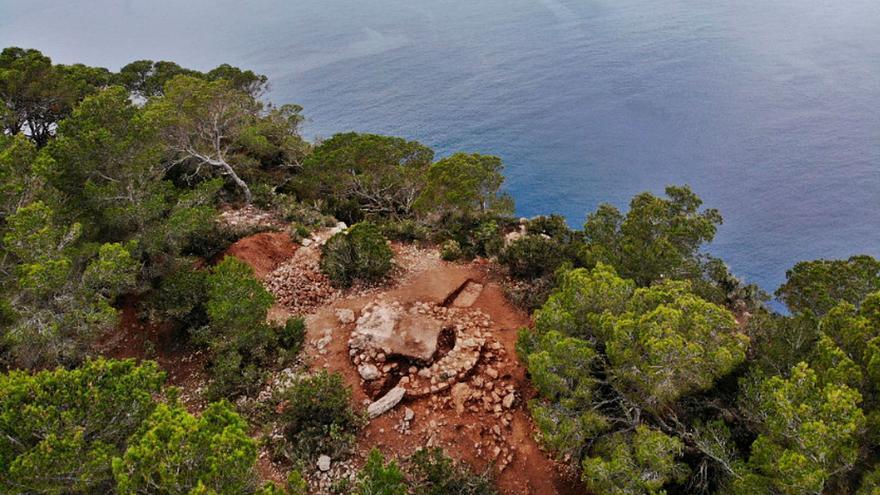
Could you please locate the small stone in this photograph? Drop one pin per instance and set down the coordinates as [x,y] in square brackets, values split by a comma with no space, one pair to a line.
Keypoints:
[492,372]
[324,463]
[368,371]
[408,414]
[507,402]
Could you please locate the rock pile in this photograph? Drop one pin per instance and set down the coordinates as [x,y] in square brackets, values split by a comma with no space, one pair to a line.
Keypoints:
[393,342]
[298,283]
[249,218]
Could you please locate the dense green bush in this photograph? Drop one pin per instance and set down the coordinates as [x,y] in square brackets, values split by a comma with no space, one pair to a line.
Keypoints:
[241,342]
[318,417]
[434,473]
[59,430]
[450,250]
[359,253]
[533,256]
[175,453]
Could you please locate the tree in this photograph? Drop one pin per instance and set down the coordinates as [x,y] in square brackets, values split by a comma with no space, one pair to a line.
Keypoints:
[377,175]
[61,299]
[817,286]
[38,94]
[809,433]
[466,184]
[145,78]
[639,462]
[200,122]
[108,165]
[657,239]
[175,453]
[21,174]
[379,478]
[609,359]
[60,429]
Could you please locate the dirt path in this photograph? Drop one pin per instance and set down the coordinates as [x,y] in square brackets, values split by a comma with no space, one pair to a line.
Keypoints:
[472,435]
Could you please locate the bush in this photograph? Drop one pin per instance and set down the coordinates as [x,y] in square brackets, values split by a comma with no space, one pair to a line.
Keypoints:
[450,250]
[318,417]
[292,335]
[359,253]
[60,429]
[406,230]
[434,473]
[177,453]
[181,295]
[379,478]
[533,256]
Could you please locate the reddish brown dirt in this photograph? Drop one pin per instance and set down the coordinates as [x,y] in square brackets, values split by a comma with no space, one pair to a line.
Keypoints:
[466,436]
[263,252]
[140,339]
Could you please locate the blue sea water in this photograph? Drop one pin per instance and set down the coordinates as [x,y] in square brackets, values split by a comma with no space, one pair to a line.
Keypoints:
[769,109]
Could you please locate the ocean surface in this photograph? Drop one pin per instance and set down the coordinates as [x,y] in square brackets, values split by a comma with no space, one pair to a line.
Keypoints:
[769,109]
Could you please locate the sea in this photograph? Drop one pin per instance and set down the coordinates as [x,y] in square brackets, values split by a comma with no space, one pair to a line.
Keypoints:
[768,109]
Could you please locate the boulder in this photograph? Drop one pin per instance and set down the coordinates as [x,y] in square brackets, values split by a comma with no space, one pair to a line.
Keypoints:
[386,402]
[405,333]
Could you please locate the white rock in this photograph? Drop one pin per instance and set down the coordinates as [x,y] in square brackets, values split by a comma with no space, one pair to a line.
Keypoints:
[369,371]
[507,402]
[408,414]
[324,463]
[385,403]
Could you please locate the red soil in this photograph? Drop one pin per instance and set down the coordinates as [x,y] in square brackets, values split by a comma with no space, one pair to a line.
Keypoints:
[264,251]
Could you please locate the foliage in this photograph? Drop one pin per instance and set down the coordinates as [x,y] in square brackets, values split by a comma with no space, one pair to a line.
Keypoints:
[465,185]
[366,175]
[610,361]
[450,250]
[359,253]
[640,462]
[36,94]
[435,473]
[61,295]
[657,239]
[176,453]
[240,340]
[817,286]
[533,256]
[379,478]
[60,429]
[317,416]
[809,432]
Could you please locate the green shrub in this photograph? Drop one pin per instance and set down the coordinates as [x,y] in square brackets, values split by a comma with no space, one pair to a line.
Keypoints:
[533,256]
[406,230]
[359,253]
[450,250]
[318,417]
[177,453]
[379,478]
[435,473]
[292,335]
[60,429]
[181,295]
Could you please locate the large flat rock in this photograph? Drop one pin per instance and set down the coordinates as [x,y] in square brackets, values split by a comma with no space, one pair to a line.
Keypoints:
[394,331]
